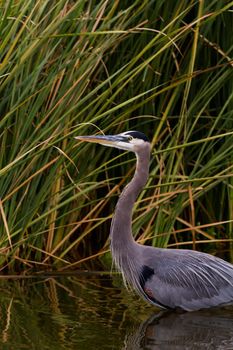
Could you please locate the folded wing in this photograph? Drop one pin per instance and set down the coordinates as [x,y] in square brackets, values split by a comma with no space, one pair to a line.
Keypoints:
[185,279]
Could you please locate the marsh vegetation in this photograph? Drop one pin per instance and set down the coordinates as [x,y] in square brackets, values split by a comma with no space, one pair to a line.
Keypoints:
[76,67]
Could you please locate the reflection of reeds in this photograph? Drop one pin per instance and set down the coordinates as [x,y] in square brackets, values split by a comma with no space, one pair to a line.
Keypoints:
[71,68]
[5,335]
[64,312]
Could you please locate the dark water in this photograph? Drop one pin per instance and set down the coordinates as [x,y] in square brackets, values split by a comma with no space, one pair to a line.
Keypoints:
[88,312]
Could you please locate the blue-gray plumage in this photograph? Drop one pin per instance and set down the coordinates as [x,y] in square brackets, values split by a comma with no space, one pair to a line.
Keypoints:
[168,278]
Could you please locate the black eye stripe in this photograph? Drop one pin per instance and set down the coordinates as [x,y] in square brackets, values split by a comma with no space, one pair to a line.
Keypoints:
[137,135]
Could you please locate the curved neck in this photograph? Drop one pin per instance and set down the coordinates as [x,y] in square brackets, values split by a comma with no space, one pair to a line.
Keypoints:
[121,231]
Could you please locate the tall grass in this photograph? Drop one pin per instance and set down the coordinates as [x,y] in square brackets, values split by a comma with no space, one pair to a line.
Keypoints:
[71,68]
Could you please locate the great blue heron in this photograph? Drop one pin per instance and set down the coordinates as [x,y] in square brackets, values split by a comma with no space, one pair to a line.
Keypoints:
[168,278]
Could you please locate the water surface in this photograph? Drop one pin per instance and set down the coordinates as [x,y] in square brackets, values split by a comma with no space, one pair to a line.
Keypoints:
[89,312]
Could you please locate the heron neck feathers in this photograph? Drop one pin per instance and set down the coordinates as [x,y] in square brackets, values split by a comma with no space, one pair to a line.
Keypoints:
[122,241]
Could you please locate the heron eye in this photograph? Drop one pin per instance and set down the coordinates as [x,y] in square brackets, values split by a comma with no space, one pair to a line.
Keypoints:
[130,138]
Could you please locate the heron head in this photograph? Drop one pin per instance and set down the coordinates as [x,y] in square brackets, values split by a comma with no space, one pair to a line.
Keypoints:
[129,140]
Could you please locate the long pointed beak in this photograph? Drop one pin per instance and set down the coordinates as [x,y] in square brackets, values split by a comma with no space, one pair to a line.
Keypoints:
[118,141]
[109,140]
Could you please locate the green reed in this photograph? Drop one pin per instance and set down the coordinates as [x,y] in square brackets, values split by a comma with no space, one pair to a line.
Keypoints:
[73,68]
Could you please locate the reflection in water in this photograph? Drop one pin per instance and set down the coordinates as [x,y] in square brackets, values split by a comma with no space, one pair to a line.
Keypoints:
[206,329]
[87,312]
[71,312]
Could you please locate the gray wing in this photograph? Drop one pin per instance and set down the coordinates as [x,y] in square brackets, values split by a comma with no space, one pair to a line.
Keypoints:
[185,279]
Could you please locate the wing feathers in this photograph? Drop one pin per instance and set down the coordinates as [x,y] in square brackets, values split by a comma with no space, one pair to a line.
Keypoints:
[187,279]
